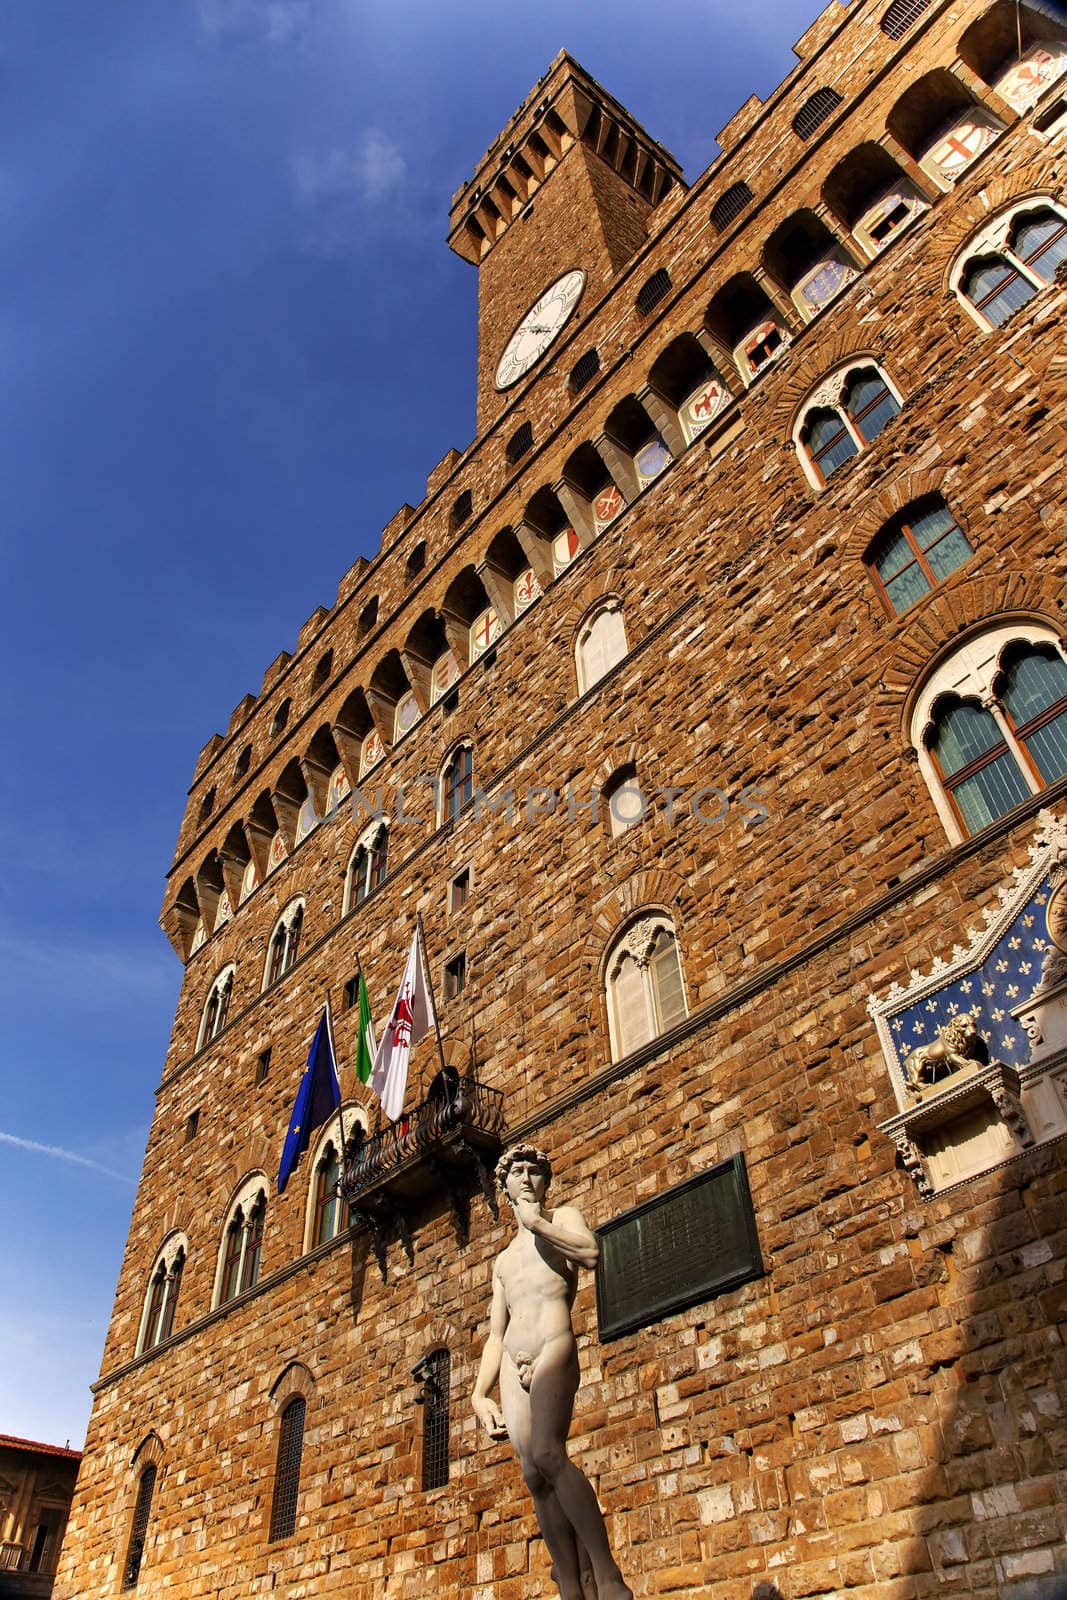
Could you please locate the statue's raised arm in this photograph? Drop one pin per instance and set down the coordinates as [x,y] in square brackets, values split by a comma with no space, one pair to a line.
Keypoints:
[531,1352]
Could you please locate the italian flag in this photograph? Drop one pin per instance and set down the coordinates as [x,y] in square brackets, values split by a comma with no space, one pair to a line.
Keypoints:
[366,1048]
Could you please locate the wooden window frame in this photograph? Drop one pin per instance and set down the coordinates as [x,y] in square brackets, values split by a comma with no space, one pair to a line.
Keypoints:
[899,525]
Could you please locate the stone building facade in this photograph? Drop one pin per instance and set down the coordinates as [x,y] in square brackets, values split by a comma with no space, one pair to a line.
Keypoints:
[761,543]
[36,1487]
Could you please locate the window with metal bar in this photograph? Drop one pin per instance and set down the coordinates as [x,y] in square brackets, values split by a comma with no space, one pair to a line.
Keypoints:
[651,293]
[287,1470]
[730,205]
[584,370]
[900,16]
[142,1512]
[520,443]
[815,110]
[436,1376]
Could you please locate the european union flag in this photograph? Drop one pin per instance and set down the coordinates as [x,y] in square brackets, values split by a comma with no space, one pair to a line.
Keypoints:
[319,1094]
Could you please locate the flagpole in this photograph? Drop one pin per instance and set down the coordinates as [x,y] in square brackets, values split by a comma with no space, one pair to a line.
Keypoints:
[423,957]
[340,1103]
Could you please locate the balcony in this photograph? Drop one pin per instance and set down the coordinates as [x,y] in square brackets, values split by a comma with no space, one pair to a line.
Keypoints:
[447,1144]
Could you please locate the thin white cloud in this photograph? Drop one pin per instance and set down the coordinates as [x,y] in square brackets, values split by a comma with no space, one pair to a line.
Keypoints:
[274,20]
[367,172]
[57,1153]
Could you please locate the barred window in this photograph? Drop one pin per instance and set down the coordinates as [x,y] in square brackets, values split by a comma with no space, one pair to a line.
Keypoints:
[822,104]
[900,16]
[730,205]
[287,1471]
[142,1512]
[436,1375]
[281,717]
[461,510]
[651,293]
[584,370]
[520,443]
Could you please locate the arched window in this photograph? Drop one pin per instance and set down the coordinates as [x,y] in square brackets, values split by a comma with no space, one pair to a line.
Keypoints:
[653,291]
[281,717]
[415,561]
[643,977]
[164,1286]
[457,782]
[584,371]
[815,110]
[368,864]
[846,412]
[601,645]
[730,205]
[327,1215]
[287,1469]
[142,1513]
[990,725]
[243,762]
[434,1372]
[915,552]
[520,443]
[242,1241]
[1028,246]
[624,799]
[900,16]
[216,1007]
[284,943]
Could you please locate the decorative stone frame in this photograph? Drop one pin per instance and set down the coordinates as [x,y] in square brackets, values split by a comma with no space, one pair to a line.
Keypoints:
[635,940]
[464,742]
[298,904]
[366,841]
[224,976]
[244,1198]
[165,1256]
[829,395]
[607,605]
[992,240]
[351,1116]
[969,670]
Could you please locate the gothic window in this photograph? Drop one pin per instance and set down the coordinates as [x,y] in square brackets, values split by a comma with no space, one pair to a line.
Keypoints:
[142,1512]
[457,782]
[368,617]
[415,561]
[327,1197]
[601,644]
[164,1286]
[461,510]
[1021,254]
[207,804]
[435,1374]
[243,762]
[815,110]
[242,1241]
[915,552]
[990,725]
[281,717]
[284,943]
[216,1007]
[287,1469]
[367,866]
[846,412]
[643,977]
[730,205]
[326,1215]
[323,668]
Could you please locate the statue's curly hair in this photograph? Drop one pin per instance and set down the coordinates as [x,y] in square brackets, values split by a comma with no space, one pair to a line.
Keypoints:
[524,1152]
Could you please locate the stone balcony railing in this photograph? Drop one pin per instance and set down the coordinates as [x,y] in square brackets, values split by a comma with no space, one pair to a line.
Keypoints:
[446,1144]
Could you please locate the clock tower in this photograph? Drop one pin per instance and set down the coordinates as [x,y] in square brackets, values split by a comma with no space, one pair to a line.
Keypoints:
[557,207]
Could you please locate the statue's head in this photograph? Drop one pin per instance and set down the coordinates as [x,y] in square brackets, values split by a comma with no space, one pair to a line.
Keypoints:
[527,1153]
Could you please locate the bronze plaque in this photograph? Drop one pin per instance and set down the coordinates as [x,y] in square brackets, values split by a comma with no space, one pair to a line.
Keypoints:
[681,1247]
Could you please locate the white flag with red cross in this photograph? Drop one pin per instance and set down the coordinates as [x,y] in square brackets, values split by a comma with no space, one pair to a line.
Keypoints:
[411,1019]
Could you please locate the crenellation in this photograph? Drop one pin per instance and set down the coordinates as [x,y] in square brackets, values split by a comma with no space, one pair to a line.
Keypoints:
[876,1414]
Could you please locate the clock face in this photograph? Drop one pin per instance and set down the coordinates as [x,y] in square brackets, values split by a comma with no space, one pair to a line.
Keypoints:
[539,327]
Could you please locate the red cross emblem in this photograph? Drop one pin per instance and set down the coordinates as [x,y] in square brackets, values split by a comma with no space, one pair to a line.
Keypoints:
[485,629]
[960,146]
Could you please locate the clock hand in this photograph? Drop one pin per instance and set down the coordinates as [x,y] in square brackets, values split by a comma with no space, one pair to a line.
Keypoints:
[538,327]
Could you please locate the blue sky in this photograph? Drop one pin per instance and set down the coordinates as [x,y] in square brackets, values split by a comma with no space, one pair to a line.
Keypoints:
[232,341]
